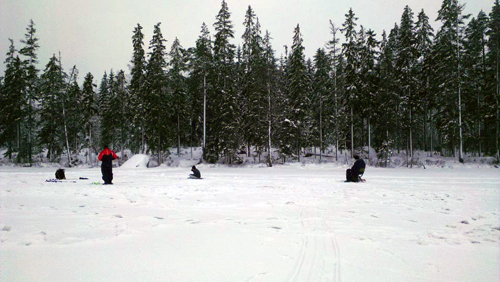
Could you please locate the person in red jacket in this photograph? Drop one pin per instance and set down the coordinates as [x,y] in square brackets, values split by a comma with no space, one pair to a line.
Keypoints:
[106,157]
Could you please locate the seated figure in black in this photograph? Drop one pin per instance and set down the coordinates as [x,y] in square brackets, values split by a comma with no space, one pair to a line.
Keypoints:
[353,174]
[60,174]
[196,173]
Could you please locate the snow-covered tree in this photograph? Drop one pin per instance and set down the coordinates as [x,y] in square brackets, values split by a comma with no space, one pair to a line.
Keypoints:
[51,97]
[90,110]
[322,88]
[12,99]
[351,75]
[448,55]
[156,104]
[424,43]
[222,137]
[135,110]
[29,51]
[405,66]
[200,67]
[493,93]
[177,92]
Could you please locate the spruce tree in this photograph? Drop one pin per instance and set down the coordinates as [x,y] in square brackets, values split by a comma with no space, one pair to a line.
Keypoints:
[448,52]
[51,135]
[74,113]
[405,66]
[386,132]
[334,100]
[104,101]
[272,88]
[90,110]
[351,75]
[119,103]
[493,93]
[369,83]
[424,44]
[284,133]
[222,134]
[135,110]
[29,51]
[253,101]
[298,94]
[322,89]
[200,65]
[474,68]
[12,99]
[177,88]
[247,83]
[156,100]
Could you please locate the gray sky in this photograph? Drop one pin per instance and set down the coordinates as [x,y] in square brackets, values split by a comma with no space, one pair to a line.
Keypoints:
[95,35]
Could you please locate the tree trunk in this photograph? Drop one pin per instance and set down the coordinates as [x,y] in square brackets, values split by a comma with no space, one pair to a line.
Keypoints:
[178,134]
[498,110]
[460,156]
[64,109]
[204,113]
[352,134]
[369,137]
[90,146]
[411,136]
[270,160]
[320,129]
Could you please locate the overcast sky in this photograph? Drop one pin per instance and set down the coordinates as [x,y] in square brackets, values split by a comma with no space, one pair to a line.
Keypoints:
[95,35]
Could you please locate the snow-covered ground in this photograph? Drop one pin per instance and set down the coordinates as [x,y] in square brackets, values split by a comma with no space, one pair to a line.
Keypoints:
[286,223]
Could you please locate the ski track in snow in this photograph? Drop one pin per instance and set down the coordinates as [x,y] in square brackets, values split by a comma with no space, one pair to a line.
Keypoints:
[288,223]
[319,256]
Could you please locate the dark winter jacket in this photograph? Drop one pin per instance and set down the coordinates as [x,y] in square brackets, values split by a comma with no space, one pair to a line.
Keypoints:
[358,167]
[196,172]
[107,156]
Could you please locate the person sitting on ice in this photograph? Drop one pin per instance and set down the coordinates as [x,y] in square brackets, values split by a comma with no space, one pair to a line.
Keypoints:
[196,173]
[353,174]
[60,174]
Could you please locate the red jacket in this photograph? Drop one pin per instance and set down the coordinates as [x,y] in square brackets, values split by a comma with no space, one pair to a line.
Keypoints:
[107,152]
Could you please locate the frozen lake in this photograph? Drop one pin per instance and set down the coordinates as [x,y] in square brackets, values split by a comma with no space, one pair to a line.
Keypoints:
[286,223]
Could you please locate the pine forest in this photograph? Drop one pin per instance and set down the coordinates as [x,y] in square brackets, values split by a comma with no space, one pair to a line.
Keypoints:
[408,89]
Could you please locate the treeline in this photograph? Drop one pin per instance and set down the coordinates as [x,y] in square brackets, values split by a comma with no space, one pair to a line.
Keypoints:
[415,89]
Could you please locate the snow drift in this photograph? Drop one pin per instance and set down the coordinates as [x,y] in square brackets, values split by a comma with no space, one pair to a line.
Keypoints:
[137,161]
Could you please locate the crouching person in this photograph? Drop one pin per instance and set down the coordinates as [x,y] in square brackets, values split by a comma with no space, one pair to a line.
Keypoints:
[196,173]
[353,174]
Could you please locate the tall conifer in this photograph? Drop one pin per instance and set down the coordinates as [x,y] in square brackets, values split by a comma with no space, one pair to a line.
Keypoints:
[51,123]
[30,52]
[222,133]
[351,75]
[135,110]
[493,96]
[12,99]
[156,100]
[90,110]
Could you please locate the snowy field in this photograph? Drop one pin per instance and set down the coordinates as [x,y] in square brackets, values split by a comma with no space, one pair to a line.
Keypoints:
[285,223]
